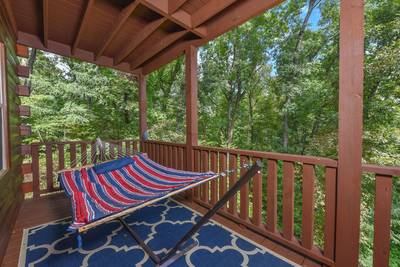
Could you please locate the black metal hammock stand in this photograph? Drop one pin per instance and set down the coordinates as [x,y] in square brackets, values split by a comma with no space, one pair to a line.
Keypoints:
[182,246]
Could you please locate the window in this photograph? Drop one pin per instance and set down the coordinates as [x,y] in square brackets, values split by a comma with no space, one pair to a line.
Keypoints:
[4,157]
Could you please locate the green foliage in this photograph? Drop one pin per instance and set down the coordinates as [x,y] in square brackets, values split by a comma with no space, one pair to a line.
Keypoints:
[75,100]
[271,85]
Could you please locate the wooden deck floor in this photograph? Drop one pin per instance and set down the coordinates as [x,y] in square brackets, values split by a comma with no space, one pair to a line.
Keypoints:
[50,208]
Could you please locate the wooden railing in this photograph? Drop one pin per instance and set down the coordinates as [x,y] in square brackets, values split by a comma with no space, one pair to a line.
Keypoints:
[382,210]
[46,159]
[256,206]
[287,186]
[276,181]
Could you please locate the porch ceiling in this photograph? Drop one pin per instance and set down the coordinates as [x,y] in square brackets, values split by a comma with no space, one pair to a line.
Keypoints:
[132,36]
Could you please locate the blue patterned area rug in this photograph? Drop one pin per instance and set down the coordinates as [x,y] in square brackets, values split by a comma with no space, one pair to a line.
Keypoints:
[160,225]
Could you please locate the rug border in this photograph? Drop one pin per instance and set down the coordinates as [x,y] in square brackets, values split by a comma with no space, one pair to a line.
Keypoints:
[240,235]
[23,248]
[24,241]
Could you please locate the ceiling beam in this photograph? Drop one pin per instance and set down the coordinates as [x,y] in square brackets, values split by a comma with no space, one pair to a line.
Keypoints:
[84,20]
[209,10]
[174,5]
[180,17]
[139,38]
[155,49]
[45,18]
[65,50]
[239,13]
[121,19]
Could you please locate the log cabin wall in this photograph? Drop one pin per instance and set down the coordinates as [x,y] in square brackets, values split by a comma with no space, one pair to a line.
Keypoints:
[10,181]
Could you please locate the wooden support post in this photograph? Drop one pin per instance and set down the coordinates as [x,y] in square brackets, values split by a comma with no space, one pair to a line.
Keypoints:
[191,103]
[142,110]
[191,108]
[350,132]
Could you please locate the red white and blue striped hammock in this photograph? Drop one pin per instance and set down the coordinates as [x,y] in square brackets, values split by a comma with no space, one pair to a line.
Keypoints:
[110,190]
[120,185]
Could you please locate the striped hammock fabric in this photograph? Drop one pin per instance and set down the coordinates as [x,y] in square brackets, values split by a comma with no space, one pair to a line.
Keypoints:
[111,187]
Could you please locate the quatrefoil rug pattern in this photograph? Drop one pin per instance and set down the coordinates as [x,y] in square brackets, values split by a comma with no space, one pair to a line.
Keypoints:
[160,225]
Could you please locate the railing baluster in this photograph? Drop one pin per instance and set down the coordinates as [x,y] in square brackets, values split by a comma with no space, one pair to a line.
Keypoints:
[288,200]
[214,168]
[184,158]
[169,156]
[72,151]
[257,198]
[175,157]
[244,191]
[330,212]
[61,158]
[272,199]
[49,167]
[232,180]
[135,146]
[35,171]
[111,149]
[222,180]
[83,154]
[93,152]
[307,231]
[161,154]
[205,168]
[197,168]
[180,158]
[153,151]
[157,153]
[383,208]
[127,148]
[119,148]
[148,150]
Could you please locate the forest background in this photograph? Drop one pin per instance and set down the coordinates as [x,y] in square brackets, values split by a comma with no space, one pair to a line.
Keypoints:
[269,85]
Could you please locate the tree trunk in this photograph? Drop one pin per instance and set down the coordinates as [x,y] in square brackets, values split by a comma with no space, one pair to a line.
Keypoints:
[229,128]
[251,121]
[285,131]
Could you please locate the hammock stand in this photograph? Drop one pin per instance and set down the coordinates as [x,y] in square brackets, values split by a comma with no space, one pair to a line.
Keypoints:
[181,247]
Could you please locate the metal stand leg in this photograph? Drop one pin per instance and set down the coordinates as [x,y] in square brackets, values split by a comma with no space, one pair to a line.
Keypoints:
[180,249]
[140,241]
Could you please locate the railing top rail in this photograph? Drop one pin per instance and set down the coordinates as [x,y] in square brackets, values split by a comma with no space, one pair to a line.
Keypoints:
[382,170]
[80,142]
[165,143]
[274,155]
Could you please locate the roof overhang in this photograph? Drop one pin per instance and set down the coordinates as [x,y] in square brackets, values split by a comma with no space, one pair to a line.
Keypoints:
[132,36]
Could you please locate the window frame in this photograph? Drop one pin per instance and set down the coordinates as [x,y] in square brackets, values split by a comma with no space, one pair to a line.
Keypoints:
[4,111]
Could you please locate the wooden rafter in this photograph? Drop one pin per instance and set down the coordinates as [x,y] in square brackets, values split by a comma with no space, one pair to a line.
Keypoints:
[174,5]
[239,13]
[65,50]
[122,18]
[139,38]
[45,18]
[180,17]
[209,10]
[162,44]
[84,20]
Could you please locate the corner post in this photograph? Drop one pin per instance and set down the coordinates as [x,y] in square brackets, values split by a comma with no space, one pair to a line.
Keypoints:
[191,104]
[351,76]
[142,110]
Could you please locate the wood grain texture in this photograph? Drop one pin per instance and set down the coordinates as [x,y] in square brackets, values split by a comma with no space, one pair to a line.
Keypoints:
[383,208]
[351,79]
[11,180]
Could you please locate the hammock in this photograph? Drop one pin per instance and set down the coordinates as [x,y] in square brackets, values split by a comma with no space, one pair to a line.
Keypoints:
[110,190]
[111,187]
